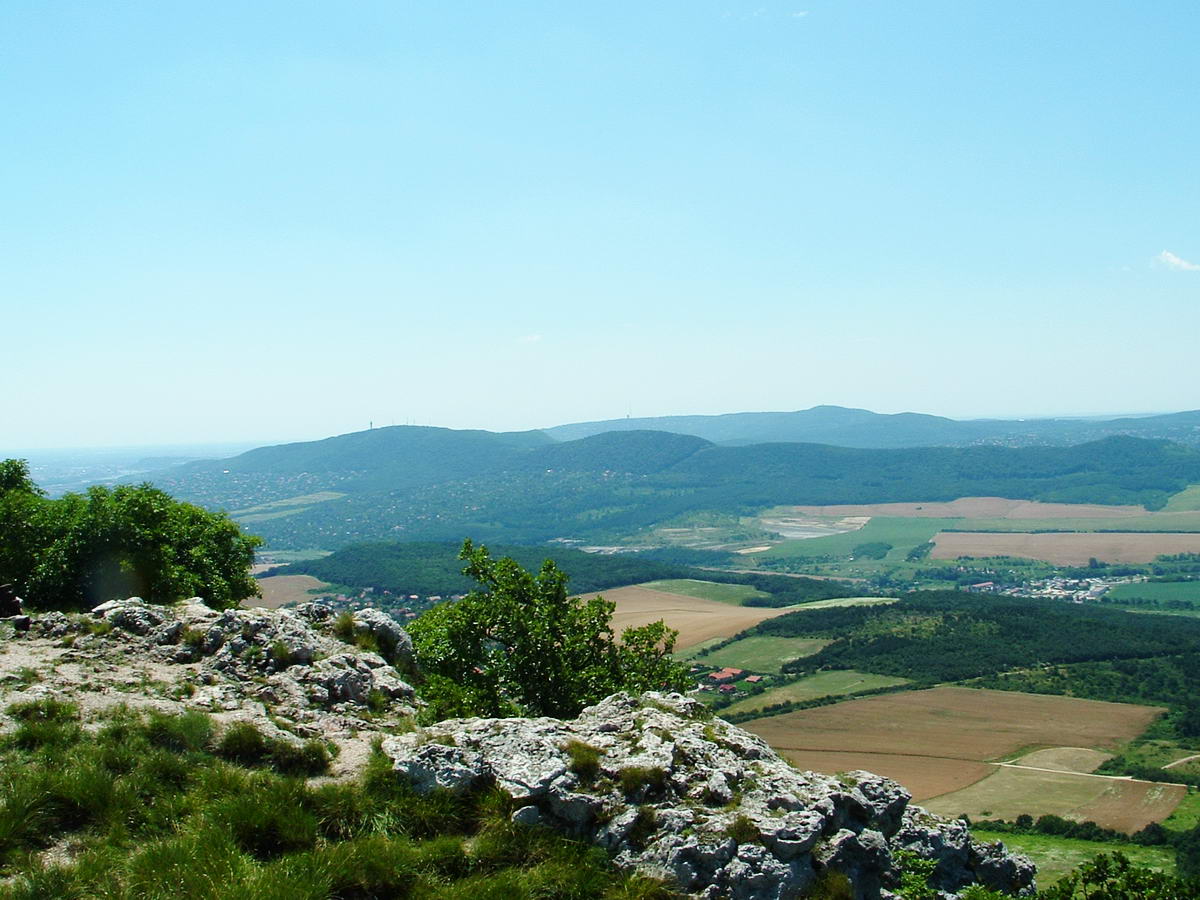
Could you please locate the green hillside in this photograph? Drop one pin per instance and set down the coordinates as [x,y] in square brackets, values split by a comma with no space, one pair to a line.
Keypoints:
[437,484]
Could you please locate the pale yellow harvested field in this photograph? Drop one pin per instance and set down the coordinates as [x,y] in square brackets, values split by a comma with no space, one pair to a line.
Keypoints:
[1065,759]
[280,590]
[695,619]
[973,508]
[1122,804]
[1069,549]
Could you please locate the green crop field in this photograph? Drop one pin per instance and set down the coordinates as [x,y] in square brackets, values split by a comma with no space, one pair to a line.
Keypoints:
[1057,856]
[844,601]
[734,594]
[902,533]
[763,653]
[823,684]
[1166,590]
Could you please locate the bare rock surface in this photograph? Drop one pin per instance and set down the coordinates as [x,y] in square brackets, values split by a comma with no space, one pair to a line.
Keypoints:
[281,670]
[674,792]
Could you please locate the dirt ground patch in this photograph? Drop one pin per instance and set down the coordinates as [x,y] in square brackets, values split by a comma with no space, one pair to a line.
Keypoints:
[1073,549]
[944,742]
[280,590]
[695,618]
[923,777]
[973,508]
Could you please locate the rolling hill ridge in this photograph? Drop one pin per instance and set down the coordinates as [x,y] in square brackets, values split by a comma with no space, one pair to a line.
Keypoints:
[412,483]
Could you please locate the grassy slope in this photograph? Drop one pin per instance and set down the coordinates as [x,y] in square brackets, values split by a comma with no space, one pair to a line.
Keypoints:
[1185,501]
[1057,856]
[761,653]
[823,684]
[733,594]
[150,811]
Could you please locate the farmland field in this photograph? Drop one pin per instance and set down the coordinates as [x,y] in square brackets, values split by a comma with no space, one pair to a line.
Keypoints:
[706,590]
[280,590]
[696,619]
[1058,856]
[946,740]
[1064,549]
[1065,759]
[1166,590]
[1113,802]
[973,508]
[902,533]
[763,653]
[822,684]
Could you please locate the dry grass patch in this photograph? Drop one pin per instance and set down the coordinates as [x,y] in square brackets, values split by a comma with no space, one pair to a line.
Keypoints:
[696,618]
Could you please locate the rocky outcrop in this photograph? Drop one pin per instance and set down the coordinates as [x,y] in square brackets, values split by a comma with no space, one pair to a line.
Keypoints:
[674,792]
[283,670]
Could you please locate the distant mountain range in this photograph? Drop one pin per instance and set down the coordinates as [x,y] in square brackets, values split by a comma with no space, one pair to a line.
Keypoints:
[418,483]
[844,427]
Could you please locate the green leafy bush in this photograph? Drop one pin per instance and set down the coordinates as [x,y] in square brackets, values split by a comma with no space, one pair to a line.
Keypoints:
[523,645]
[83,549]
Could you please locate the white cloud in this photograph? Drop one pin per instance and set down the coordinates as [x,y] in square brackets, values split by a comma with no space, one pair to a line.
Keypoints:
[800,15]
[529,339]
[1171,261]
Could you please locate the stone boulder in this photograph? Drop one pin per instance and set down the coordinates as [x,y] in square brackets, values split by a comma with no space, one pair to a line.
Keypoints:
[133,614]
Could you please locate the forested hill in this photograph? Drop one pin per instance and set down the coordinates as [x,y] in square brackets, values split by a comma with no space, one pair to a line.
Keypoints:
[437,484]
[865,429]
[421,567]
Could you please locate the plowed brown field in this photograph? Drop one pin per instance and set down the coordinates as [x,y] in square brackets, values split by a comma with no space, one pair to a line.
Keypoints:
[946,743]
[1073,549]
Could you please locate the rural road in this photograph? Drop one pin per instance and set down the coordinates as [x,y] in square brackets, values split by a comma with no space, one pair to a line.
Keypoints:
[1068,772]
[1179,762]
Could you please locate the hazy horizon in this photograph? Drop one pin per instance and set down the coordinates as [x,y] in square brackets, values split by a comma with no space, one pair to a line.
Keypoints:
[229,222]
[250,443]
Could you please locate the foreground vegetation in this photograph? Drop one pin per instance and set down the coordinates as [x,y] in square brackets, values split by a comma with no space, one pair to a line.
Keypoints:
[157,807]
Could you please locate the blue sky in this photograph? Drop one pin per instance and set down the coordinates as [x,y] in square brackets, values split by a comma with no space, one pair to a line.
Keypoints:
[231,221]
